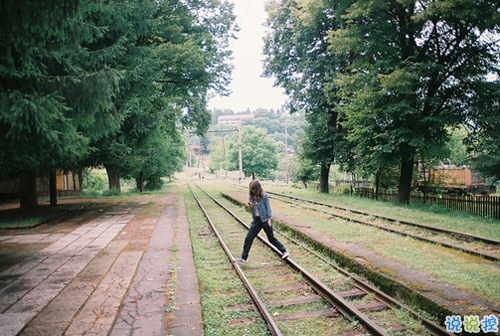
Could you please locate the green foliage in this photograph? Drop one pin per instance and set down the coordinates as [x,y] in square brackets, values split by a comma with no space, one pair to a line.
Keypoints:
[258,152]
[154,182]
[111,192]
[174,53]
[46,72]
[218,158]
[395,75]
[342,191]
[484,130]
[306,172]
[94,180]
[408,82]
[274,124]
[298,56]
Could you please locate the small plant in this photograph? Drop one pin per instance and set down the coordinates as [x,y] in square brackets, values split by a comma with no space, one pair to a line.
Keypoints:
[94,180]
[342,191]
[111,192]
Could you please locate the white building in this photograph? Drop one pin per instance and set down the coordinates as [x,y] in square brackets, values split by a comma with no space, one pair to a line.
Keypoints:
[232,119]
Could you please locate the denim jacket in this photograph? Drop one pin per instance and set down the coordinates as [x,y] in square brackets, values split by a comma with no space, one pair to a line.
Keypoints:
[264,208]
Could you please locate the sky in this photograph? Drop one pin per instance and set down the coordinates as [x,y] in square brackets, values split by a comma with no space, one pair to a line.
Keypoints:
[249,89]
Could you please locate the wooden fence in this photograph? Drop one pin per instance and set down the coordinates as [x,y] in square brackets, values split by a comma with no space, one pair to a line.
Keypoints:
[484,206]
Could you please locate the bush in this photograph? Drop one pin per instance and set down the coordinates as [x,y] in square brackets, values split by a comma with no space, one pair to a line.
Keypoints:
[95,180]
[342,191]
[153,183]
[111,192]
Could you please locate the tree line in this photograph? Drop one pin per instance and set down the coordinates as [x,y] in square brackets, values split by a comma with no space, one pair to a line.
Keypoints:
[108,83]
[384,84]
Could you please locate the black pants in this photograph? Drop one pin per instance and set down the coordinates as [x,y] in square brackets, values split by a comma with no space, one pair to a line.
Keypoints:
[254,230]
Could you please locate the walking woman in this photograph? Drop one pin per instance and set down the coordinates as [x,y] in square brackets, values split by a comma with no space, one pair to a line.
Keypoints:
[261,214]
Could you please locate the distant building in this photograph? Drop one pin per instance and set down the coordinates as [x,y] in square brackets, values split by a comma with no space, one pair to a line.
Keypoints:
[232,119]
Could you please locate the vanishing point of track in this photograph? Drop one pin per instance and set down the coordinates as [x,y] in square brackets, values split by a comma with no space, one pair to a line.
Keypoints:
[346,296]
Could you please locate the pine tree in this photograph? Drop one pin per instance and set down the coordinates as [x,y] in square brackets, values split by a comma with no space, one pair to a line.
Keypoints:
[52,90]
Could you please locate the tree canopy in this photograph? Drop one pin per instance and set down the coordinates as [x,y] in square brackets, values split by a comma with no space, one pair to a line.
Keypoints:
[258,152]
[298,55]
[400,74]
[45,70]
[108,78]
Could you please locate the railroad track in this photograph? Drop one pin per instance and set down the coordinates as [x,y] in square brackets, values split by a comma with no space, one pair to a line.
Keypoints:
[478,246]
[308,287]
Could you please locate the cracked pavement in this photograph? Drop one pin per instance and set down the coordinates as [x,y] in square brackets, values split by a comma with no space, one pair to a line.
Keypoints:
[106,276]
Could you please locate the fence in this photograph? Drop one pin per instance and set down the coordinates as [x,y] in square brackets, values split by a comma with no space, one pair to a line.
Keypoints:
[484,206]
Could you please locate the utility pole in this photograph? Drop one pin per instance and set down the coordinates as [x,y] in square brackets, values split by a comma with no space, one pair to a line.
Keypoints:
[286,154]
[239,150]
[224,147]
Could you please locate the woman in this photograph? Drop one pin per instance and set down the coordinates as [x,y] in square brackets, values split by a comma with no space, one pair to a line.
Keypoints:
[261,214]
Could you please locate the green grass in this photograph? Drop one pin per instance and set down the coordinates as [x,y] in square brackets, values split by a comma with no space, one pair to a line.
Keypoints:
[24,220]
[225,303]
[16,218]
[442,264]
[430,215]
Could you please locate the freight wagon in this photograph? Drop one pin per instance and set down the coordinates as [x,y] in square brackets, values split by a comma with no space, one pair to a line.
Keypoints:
[453,180]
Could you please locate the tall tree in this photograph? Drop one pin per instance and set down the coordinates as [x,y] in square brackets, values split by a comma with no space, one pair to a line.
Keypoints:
[417,66]
[176,52]
[484,126]
[297,55]
[46,77]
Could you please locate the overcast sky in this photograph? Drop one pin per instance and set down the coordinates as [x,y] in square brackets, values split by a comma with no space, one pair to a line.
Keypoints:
[249,89]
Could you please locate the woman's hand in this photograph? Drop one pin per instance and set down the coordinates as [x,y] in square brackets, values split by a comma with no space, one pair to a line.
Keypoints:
[269,222]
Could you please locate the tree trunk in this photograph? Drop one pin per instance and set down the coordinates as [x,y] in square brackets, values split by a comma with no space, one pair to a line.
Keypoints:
[27,191]
[53,187]
[323,180]
[405,179]
[377,183]
[139,182]
[113,179]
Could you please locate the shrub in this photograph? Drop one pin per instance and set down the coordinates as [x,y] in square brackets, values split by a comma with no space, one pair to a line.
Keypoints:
[342,191]
[111,192]
[95,180]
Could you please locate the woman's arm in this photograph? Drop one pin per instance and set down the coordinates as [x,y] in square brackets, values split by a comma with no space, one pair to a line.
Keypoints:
[267,204]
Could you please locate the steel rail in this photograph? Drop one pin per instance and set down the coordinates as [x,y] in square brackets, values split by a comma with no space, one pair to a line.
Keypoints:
[463,235]
[347,309]
[407,234]
[271,324]
[390,219]
[433,328]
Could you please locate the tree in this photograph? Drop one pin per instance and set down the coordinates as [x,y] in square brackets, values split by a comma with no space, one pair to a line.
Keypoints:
[46,75]
[483,141]
[417,66]
[175,53]
[297,55]
[258,152]
[218,158]
[306,172]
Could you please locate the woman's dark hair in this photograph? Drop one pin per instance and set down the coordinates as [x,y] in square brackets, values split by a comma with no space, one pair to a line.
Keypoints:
[256,190]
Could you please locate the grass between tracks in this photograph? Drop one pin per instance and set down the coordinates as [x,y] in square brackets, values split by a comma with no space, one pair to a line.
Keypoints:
[310,326]
[437,216]
[225,303]
[442,264]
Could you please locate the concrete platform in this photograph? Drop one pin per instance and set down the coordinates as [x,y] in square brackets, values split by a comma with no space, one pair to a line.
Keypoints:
[109,276]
